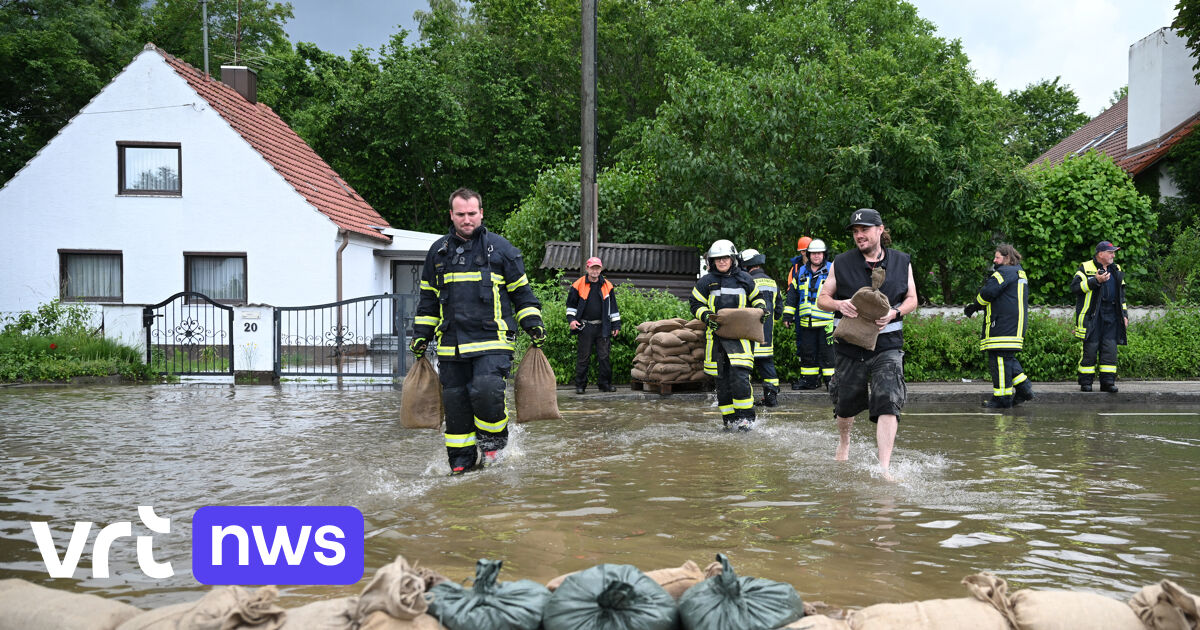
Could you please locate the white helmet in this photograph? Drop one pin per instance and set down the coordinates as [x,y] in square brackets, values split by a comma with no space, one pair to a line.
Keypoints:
[817,245]
[722,248]
[752,258]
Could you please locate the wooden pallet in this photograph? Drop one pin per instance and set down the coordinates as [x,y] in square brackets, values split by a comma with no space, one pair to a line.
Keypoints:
[665,388]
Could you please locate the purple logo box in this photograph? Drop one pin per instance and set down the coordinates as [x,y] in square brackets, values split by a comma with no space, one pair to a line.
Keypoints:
[286,545]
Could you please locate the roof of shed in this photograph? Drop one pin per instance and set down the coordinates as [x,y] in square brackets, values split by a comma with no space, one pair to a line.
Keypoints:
[627,258]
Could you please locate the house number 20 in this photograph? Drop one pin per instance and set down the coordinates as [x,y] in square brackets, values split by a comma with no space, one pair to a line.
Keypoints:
[250,327]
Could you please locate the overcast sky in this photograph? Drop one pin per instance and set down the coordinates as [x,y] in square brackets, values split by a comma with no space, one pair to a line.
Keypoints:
[1013,42]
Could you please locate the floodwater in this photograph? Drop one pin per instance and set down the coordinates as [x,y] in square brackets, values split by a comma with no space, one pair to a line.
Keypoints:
[1105,500]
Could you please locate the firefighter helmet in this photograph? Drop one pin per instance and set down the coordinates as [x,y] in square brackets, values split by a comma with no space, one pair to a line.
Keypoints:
[817,245]
[752,258]
[803,243]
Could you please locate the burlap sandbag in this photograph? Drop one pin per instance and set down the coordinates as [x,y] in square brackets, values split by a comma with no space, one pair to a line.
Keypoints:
[421,397]
[641,347]
[380,620]
[695,325]
[1051,610]
[329,614]
[638,374]
[740,323]
[27,606]
[665,340]
[665,325]
[871,305]
[677,359]
[644,337]
[667,372]
[679,579]
[688,336]
[670,351]
[1166,606]
[535,389]
[819,622]
[934,614]
[644,327]
[396,589]
[223,608]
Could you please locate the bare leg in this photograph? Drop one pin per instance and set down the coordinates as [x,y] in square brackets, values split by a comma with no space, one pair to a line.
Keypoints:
[843,449]
[885,438]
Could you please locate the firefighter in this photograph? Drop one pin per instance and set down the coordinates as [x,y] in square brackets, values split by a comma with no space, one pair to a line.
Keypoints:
[764,353]
[474,293]
[1004,300]
[1101,316]
[729,360]
[798,262]
[813,325]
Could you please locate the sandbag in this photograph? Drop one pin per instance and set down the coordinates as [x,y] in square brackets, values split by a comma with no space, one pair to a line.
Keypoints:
[644,327]
[28,606]
[1051,610]
[871,305]
[329,614]
[688,336]
[535,390]
[223,608]
[679,359]
[819,622]
[933,614]
[1166,606]
[727,601]
[644,337]
[380,620]
[639,374]
[665,325]
[421,397]
[695,325]
[396,589]
[670,351]
[641,347]
[676,581]
[610,597]
[740,323]
[488,604]
[665,340]
[667,371]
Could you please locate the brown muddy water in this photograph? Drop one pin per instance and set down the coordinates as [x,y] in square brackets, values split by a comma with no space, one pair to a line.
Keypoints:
[1105,500]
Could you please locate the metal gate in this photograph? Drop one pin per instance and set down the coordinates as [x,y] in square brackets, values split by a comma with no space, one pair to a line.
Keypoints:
[366,336]
[189,333]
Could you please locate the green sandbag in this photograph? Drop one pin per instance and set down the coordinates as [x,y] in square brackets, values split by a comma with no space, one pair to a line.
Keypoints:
[488,604]
[728,601]
[610,597]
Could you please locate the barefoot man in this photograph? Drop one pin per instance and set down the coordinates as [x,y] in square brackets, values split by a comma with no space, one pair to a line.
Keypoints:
[870,379]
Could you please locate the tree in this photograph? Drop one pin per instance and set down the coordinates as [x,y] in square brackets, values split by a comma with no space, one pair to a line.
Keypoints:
[240,32]
[1049,112]
[55,55]
[1187,22]
[1078,203]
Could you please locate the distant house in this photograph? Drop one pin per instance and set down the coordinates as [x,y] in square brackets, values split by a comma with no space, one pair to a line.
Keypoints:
[169,180]
[665,267]
[1162,108]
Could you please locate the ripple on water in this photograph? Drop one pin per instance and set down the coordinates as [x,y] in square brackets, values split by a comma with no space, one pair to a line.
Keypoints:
[974,539]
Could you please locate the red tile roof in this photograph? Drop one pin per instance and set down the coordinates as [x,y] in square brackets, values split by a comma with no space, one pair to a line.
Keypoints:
[1107,134]
[285,151]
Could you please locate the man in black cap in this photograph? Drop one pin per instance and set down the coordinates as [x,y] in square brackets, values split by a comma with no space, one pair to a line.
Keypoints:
[1101,316]
[864,379]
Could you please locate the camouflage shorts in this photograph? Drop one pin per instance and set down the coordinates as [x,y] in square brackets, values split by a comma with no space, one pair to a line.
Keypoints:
[884,372]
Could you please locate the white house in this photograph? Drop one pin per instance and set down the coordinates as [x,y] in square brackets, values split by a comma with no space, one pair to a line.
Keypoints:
[169,180]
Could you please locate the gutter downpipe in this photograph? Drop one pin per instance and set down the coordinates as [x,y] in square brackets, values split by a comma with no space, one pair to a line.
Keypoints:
[345,236]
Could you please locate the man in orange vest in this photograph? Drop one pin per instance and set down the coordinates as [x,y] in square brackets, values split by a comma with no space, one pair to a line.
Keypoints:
[593,316]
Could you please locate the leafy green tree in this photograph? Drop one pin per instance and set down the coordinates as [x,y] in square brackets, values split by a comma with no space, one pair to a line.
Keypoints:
[1187,22]
[1049,113]
[55,55]
[1078,203]
[240,32]
[1118,94]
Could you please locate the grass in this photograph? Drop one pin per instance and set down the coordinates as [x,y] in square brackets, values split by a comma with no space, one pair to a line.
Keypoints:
[63,356]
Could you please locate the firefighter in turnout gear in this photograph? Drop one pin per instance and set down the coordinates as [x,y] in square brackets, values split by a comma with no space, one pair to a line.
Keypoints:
[1101,316]
[474,293]
[764,353]
[1004,300]
[813,325]
[729,360]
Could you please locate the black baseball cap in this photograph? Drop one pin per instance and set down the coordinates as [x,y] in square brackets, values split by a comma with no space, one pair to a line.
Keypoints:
[1106,246]
[864,216]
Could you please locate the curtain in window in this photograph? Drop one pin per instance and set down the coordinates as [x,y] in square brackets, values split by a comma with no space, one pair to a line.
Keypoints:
[151,168]
[92,276]
[218,278]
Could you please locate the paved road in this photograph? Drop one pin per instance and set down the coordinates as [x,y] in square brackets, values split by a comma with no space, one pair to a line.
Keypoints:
[1131,392]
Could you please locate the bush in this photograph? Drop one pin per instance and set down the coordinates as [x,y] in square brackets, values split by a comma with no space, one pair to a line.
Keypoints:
[54,343]
[1167,347]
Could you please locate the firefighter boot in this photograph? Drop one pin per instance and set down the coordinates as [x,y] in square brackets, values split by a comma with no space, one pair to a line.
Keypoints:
[1024,392]
[1108,386]
[770,396]
[999,402]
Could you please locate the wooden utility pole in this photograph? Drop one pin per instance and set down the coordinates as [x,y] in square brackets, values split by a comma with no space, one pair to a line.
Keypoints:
[588,193]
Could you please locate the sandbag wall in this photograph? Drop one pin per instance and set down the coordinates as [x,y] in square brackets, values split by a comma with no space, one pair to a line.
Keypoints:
[669,351]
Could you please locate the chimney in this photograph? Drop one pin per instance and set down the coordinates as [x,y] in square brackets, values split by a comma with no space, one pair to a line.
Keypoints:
[242,79]
[1163,92]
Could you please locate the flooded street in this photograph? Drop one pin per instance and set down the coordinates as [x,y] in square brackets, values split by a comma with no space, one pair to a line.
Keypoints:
[1105,499]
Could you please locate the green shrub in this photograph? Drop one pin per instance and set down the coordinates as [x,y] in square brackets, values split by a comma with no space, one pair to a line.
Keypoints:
[1167,347]
[54,344]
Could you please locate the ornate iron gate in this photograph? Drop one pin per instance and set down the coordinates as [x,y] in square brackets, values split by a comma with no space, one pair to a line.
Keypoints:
[366,336]
[189,333]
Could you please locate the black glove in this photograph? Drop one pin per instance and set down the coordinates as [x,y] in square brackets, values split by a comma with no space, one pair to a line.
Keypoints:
[418,345]
[710,321]
[971,309]
[537,336]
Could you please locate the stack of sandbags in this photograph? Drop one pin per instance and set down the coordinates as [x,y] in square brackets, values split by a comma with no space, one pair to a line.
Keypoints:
[1166,606]
[28,606]
[669,351]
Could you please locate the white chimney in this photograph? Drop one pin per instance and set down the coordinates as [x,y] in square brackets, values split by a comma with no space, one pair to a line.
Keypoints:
[1163,92]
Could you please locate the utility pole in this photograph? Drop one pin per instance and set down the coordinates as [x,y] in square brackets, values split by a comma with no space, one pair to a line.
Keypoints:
[204,18]
[589,203]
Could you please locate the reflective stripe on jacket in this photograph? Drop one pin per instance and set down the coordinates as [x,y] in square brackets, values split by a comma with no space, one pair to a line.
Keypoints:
[1087,290]
[715,291]
[1005,294]
[577,297]
[802,297]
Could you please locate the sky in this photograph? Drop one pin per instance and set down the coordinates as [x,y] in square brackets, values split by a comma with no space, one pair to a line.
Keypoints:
[1012,42]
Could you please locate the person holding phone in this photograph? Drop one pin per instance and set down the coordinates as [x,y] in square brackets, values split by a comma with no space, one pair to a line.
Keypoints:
[1101,316]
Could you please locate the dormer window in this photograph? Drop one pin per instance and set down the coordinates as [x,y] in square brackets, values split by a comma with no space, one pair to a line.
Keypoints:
[149,168]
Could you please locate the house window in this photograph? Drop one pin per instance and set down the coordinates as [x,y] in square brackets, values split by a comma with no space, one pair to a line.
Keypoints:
[149,168]
[90,275]
[221,277]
